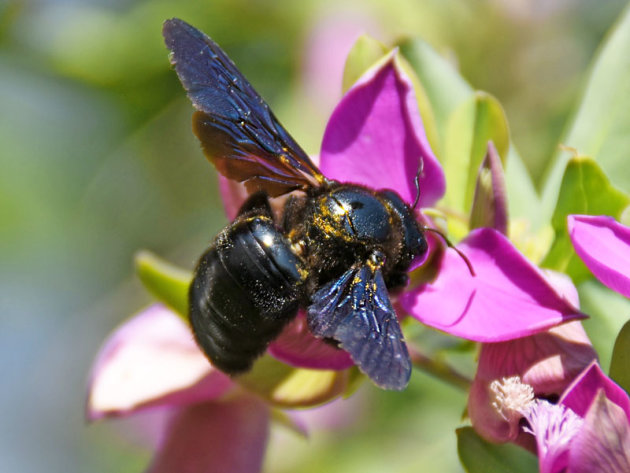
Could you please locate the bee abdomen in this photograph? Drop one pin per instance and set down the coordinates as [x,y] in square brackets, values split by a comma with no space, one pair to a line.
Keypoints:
[246,288]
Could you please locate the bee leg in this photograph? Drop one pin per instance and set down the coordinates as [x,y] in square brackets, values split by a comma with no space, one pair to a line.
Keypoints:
[257,203]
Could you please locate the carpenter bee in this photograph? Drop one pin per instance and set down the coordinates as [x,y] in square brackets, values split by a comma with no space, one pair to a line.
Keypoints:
[337,250]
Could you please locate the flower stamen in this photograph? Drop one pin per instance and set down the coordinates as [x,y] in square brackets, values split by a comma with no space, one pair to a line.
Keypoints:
[512,397]
[553,425]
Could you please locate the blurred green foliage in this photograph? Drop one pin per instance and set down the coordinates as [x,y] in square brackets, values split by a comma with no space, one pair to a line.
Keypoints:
[97,160]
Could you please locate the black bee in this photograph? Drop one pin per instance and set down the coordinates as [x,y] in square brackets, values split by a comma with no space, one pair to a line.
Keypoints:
[338,249]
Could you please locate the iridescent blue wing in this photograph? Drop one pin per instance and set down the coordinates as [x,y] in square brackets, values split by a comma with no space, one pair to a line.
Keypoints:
[238,132]
[356,311]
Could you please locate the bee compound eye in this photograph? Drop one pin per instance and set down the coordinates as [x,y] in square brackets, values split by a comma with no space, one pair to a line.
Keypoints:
[414,239]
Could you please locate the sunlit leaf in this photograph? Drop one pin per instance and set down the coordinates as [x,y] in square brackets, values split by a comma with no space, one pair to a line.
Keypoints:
[167,282]
[621,358]
[444,86]
[601,123]
[585,190]
[608,312]
[479,456]
[365,52]
[447,90]
[471,126]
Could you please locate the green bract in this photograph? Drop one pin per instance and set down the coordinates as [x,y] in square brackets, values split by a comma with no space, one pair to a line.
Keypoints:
[585,189]
[479,456]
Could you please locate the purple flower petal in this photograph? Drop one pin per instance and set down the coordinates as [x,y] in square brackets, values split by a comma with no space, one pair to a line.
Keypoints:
[375,137]
[580,395]
[508,298]
[215,437]
[233,194]
[485,418]
[554,427]
[604,246]
[603,443]
[489,208]
[151,360]
[547,361]
[340,414]
[565,288]
[297,346]
[328,44]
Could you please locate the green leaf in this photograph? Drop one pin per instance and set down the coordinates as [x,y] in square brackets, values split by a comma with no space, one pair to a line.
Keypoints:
[600,125]
[479,456]
[281,417]
[167,282]
[445,88]
[285,386]
[523,199]
[446,91]
[471,126]
[608,312]
[621,358]
[586,190]
[365,52]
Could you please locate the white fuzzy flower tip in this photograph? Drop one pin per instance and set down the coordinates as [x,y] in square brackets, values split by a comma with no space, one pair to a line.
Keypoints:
[512,398]
[554,426]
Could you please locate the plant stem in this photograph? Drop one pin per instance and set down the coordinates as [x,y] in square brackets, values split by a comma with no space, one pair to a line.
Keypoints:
[439,369]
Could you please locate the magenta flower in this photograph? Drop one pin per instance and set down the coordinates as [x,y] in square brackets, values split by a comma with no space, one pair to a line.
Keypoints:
[152,361]
[604,246]
[588,431]
[509,298]
[547,362]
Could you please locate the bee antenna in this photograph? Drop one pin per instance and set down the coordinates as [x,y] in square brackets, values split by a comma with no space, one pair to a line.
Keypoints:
[450,245]
[416,181]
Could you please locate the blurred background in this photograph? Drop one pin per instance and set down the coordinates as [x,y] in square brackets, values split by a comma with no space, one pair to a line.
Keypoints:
[97,160]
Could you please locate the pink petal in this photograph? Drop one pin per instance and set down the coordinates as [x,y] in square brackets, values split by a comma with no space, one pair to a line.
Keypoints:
[340,414]
[508,298]
[375,137]
[233,194]
[215,437]
[603,444]
[604,246]
[145,428]
[485,418]
[434,242]
[326,51]
[151,360]
[547,361]
[580,395]
[489,207]
[554,427]
[565,288]
[296,346]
